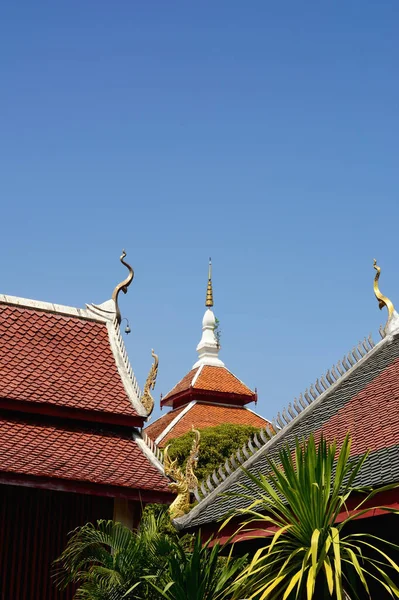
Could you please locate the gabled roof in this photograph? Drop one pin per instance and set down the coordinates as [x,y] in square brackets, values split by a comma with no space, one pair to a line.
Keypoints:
[359,395]
[63,358]
[70,403]
[210,380]
[201,415]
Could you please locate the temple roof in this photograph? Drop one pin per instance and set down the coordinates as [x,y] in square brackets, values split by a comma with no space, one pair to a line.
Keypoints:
[201,415]
[65,358]
[208,380]
[360,395]
[70,405]
[49,452]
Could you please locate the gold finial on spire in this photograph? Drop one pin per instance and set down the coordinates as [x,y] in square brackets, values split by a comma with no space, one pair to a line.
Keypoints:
[382,300]
[146,399]
[122,287]
[209,291]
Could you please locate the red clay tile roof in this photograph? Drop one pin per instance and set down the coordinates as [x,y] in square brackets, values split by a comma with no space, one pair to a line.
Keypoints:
[210,379]
[183,385]
[75,453]
[59,360]
[207,415]
[156,428]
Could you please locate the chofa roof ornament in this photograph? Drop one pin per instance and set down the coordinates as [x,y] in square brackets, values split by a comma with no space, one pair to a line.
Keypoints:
[392,323]
[122,287]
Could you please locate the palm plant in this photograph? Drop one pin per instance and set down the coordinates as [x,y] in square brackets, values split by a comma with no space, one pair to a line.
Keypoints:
[199,574]
[107,559]
[311,555]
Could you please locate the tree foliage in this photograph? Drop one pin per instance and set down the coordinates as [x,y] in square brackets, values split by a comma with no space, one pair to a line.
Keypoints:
[217,444]
[108,559]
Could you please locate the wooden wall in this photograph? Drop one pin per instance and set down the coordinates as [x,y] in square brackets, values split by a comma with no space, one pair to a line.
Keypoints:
[34,525]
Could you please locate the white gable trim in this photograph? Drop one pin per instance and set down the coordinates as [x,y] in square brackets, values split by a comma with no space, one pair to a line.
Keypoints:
[173,423]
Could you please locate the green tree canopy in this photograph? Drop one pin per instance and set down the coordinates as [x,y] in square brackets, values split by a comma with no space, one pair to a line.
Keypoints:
[217,444]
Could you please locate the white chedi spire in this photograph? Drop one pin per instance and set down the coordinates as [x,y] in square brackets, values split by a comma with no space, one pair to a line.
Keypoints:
[208,348]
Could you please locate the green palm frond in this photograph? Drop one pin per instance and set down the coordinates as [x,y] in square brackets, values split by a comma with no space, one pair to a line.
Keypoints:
[310,555]
[107,559]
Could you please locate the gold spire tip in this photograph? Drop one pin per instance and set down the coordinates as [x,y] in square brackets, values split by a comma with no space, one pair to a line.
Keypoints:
[209,290]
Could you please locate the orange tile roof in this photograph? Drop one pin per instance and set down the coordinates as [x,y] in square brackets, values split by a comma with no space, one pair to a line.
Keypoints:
[183,385]
[219,379]
[73,452]
[203,415]
[59,360]
[210,379]
[156,428]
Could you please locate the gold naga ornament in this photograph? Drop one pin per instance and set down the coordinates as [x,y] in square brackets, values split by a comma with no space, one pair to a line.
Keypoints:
[184,483]
[382,300]
[122,287]
[146,399]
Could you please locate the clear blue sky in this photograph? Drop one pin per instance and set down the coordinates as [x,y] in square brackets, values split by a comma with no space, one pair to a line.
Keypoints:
[264,134]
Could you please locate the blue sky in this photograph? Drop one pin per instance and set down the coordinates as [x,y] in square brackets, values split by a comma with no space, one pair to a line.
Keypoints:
[262,134]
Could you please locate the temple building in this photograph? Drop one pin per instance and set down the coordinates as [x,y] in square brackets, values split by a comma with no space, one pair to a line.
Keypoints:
[71,449]
[209,394]
[359,395]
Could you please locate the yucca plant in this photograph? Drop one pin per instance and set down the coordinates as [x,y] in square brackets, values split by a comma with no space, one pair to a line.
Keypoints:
[309,554]
[107,559]
[199,574]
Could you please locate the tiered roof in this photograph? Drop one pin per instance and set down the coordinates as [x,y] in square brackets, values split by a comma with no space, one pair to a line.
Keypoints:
[70,405]
[359,395]
[209,394]
[208,379]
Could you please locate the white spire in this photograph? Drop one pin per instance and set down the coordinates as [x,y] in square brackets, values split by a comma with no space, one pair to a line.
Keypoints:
[208,348]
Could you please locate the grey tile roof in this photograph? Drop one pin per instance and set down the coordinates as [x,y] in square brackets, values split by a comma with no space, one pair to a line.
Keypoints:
[364,401]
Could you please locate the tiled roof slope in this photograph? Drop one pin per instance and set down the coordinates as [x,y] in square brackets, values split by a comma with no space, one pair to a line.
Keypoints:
[203,415]
[208,378]
[157,427]
[70,452]
[364,401]
[59,360]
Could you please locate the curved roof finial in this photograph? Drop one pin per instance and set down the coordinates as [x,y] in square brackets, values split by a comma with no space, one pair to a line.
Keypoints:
[209,290]
[382,300]
[122,287]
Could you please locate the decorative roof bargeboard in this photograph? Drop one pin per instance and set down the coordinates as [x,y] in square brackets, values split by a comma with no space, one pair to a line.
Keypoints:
[284,418]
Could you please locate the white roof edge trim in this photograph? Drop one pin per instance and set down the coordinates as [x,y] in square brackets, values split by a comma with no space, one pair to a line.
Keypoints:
[257,414]
[194,379]
[124,367]
[240,380]
[149,454]
[173,423]
[186,519]
[70,311]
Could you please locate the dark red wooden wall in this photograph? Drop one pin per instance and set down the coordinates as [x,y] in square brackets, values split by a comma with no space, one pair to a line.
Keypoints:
[34,527]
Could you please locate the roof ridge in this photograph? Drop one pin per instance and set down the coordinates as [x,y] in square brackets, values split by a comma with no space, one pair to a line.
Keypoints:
[174,421]
[180,380]
[71,311]
[198,373]
[287,416]
[238,379]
